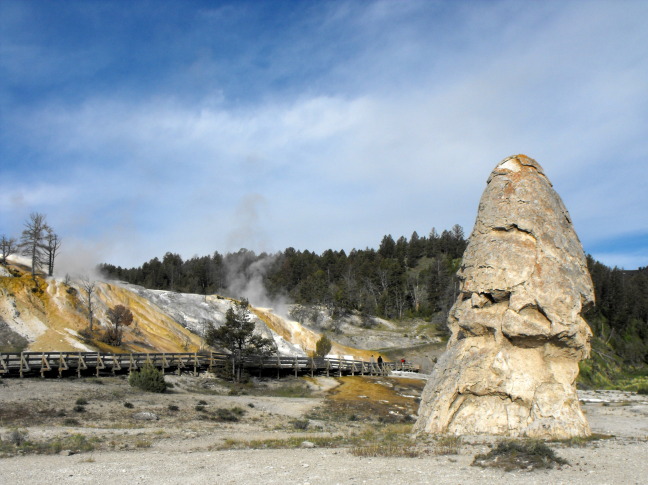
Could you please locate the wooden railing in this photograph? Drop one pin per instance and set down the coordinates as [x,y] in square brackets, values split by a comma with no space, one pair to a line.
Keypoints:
[61,364]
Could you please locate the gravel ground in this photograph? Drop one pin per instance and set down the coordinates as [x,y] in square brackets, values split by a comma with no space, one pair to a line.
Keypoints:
[180,447]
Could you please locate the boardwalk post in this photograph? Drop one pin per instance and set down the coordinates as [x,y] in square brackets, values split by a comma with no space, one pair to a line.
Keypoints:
[278,366]
[3,363]
[44,365]
[312,366]
[116,363]
[81,364]
[328,367]
[295,365]
[100,364]
[24,366]
[181,365]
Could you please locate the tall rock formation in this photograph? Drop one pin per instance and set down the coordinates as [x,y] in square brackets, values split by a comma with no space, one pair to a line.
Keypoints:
[517,331]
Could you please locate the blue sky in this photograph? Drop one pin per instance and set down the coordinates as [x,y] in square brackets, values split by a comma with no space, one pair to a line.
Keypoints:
[187,126]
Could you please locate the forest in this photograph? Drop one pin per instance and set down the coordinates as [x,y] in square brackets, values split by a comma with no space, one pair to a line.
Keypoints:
[402,279]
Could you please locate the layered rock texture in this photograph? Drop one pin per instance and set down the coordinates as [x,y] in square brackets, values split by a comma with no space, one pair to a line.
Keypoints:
[517,330]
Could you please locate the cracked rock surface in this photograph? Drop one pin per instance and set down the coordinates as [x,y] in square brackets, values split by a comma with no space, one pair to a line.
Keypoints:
[517,331]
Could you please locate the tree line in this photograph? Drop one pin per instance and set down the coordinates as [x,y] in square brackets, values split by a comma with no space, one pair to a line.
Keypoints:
[620,315]
[403,278]
[412,277]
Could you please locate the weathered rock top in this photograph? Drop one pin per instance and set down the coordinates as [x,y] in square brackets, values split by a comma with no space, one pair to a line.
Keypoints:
[523,248]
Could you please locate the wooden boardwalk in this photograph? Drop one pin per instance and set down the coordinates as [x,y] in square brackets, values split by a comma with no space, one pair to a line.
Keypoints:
[63,364]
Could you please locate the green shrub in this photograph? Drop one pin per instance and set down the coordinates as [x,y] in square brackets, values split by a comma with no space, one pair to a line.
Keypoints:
[232,415]
[148,379]
[519,455]
[17,437]
[79,409]
[173,407]
[82,401]
[300,423]
[129,405]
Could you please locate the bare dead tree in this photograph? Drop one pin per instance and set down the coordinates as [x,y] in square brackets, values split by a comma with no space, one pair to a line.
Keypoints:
[8,245]
[32,240]
[88,287]
[416,290]
[52,245]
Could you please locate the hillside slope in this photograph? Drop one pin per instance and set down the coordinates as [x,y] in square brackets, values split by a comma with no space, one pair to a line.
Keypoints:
[47,314]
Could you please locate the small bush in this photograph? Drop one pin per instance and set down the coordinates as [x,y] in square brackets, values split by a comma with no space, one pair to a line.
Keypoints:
[300,423]
[129,405]
[71,422]
[200,408]
[642,390]
[79,409]
[82,401]
[173,407]
[17,437]
[202,402]
[148,379]
[231,415]
[519,455]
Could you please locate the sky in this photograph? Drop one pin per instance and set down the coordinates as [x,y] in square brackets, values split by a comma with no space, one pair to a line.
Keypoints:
[186,126]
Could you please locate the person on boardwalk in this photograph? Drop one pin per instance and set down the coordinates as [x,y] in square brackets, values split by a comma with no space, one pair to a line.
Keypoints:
[380,360]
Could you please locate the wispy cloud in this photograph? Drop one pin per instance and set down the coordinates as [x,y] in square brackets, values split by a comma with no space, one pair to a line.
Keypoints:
[325,127]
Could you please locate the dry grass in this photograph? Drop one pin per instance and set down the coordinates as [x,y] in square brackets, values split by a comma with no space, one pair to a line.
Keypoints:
[19,442]
[406,450]
[447,445]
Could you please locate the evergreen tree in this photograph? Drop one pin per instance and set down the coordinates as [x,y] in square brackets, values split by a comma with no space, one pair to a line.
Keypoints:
[237,336]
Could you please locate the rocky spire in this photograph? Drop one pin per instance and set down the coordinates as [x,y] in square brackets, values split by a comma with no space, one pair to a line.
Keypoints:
[517,330]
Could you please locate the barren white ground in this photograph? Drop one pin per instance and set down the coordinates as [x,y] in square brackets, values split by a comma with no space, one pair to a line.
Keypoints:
[183,456]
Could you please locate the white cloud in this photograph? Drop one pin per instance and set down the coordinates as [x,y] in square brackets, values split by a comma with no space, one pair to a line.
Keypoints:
[399,134]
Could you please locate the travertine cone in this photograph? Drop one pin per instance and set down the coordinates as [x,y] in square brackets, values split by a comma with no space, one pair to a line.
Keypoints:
[517,329]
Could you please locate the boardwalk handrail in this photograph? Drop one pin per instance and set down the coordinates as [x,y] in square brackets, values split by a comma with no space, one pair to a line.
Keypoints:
[27,363]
